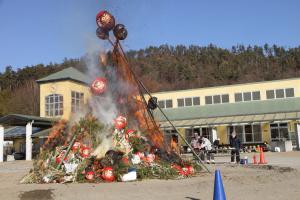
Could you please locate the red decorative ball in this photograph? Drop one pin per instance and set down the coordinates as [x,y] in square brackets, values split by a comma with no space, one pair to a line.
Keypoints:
[98,86]
[85,152]
[150,157]
[89,175]
[120,122]
[106,20]
[140,154]
[107,174]
[76,146]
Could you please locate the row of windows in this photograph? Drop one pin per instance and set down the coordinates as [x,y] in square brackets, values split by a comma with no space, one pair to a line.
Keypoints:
[224,98]
[54,103]
[280,93]
[246,133]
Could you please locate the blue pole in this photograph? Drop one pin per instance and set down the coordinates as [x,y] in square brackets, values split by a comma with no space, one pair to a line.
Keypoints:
[219,193]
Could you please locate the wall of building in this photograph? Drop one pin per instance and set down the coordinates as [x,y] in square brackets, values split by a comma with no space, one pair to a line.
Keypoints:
[63,88]
[231,90]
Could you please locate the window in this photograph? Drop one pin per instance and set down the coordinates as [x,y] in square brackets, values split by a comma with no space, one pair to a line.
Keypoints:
[270,94]
[247,96]
[256,95]
[217,99]
[289,92]
[54,105]
[279,93]
[77,101]
[208,100]
[165,103]
[225,98]
[279,131]
[238,97]
[169,103]
[180,102]
[161,104]
[196,101]
[188,101]
[247,133]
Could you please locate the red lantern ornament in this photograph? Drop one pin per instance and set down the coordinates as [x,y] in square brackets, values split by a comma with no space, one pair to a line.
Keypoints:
[76,146]
[90,175]
[106,20]
[120,122]
[98,86]
[85,152]
[107,174]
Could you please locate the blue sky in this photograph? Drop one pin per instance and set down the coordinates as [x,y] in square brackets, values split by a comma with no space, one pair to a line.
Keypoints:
[35,31]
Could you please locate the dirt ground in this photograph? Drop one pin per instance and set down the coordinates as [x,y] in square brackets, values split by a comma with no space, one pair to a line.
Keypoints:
[280,179]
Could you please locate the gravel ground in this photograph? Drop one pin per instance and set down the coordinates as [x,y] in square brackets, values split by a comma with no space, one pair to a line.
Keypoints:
[279,179]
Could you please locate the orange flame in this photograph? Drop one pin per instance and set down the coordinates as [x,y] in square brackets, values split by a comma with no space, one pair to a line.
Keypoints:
[137,106]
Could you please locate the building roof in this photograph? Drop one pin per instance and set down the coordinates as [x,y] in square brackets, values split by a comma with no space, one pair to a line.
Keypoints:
[22,120]
[254,111]
[66,74]
[225,86]
[19,132]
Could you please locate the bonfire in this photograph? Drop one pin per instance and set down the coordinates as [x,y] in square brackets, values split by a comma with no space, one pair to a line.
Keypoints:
[127,148]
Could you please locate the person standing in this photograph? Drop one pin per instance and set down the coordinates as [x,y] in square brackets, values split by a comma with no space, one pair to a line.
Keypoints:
[206,147]
[235,144]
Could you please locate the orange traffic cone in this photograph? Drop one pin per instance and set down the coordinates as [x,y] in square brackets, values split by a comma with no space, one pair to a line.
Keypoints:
[262,157]
[254,160]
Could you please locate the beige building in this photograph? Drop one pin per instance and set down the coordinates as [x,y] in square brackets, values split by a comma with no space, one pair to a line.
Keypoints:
[63,93]
[259,112]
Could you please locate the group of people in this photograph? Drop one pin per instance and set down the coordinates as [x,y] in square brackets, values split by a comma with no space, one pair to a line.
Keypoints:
[203,147]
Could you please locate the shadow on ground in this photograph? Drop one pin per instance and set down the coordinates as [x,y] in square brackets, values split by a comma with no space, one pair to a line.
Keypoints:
[37,195]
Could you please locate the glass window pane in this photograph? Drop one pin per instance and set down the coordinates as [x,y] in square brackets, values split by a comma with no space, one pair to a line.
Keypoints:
[279,93]
[61,112]
[248,129]
[180,102]
[248,137]
[161,104]
[257,133]
[270,94]
[188,101]
[273,125]
[225,98]
[289,92]
[274,134]
[247,96]
[196,101]
[61,98]
[238,97]
[284,133]
[239,132]
[208,100]
[256,95]
[51,99]
[217,99]
[169,103]
[73,94]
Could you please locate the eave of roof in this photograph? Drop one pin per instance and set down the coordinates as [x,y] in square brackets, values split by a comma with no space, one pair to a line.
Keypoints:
[231,109]
[66,74]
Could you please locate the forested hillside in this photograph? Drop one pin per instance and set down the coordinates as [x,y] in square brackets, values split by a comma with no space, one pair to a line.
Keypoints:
[164,68]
